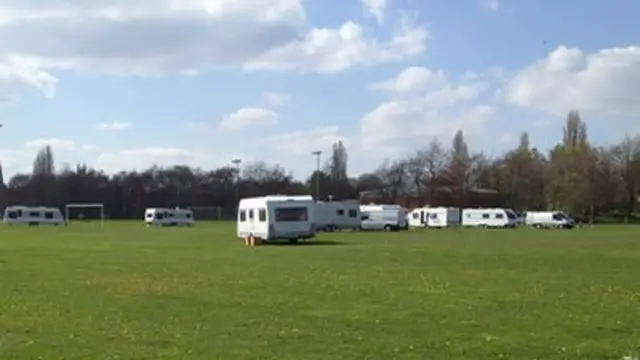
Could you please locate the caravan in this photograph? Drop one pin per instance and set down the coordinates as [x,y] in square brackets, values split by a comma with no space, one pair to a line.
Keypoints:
[437,217]
[489,218]
[337,215]
[549,219]
[383,217]
[168,217]
[276,217]
[32,215]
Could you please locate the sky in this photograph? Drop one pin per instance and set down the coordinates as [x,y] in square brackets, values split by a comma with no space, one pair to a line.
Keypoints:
[124,84]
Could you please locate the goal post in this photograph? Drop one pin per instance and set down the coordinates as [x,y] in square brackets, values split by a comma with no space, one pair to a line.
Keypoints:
[97,206]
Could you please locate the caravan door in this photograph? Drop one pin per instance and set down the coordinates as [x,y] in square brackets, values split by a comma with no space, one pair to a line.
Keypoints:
[252,214]
[423,218]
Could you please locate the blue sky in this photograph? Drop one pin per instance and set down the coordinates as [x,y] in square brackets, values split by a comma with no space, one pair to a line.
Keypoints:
[125,84]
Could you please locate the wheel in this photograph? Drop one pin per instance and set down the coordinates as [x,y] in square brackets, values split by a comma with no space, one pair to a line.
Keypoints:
[537,226]
[293,241]
[388,228]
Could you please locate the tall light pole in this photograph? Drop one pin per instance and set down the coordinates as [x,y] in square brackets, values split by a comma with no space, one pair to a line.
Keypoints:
[317,154]
[237,162]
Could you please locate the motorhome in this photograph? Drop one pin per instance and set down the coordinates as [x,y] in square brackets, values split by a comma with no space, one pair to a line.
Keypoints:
[489,218]
[337,215]
[383,217]
[436,217]
[32,215]
[168,217]
[549,219]
[277,217]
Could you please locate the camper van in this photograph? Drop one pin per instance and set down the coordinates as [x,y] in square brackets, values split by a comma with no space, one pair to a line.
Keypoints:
[436,217]
[383,217]
[30,215]
[337,215]
[489,218]
[168,217]
[277,217]
[549,219]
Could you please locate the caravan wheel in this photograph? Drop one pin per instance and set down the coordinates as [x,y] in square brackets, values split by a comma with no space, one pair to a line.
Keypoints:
[388,228]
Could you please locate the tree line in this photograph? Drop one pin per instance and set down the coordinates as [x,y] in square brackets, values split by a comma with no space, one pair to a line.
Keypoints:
[586,181]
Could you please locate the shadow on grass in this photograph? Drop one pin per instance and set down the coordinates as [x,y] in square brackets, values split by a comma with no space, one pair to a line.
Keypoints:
[309,243]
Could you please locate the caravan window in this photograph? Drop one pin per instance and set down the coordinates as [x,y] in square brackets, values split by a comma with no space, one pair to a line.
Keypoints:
[291,214]
[159,216]
[262,215]
[485,216]
[433,216]
[34,214]
[499,216]
[12,214]
[353,213]
[340,212]
[48,215]
[416,216]
[251,214]
[188,215]
[243,216]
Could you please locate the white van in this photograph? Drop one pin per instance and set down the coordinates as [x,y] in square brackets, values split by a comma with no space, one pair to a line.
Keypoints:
[549,219]
[383,217]
[277,217]
[168,217]
[338,215]
[32,215]
[436,217]
[493,218]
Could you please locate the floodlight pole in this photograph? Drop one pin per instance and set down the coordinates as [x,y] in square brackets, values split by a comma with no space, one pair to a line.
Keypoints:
[237,162]
[317,154]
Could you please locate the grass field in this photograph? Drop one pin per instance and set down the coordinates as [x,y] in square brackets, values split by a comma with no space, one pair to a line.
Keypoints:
[129,292]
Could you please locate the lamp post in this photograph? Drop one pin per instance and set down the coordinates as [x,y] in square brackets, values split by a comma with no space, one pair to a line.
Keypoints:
[237,162]
[317,154]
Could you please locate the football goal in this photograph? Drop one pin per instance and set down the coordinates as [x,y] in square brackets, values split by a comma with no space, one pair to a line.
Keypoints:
[84,212]
[206,212]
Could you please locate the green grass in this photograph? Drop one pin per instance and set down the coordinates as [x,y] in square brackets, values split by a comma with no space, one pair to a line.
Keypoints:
[129,292]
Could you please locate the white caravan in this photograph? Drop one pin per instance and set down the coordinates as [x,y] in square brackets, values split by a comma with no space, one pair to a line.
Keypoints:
[168,217]
[383,217]
[436,217]
[31,215]
[494,218]
[277,217]
[338,215]
[549,219]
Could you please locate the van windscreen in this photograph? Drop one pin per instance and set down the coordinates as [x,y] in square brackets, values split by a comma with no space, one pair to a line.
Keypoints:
[291,214]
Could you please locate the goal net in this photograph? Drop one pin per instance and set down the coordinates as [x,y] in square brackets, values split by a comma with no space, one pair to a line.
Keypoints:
[206,212]
[84,213]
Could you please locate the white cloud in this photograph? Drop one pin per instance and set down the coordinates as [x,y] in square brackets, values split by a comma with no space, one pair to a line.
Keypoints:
[375,8]
[439,111]
[248,116]
[56,144]
[606,81]
[304,142]
[491,5]
[275,99]
[114,125]
[327,50]
[143,158]
[159,37]
[412,79]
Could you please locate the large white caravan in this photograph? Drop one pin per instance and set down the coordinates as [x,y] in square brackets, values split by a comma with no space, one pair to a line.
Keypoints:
[168,217]
[383,217]
[277,217]
[549,219]
[436,217]
[32,215]
[494,217]
[337,215]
